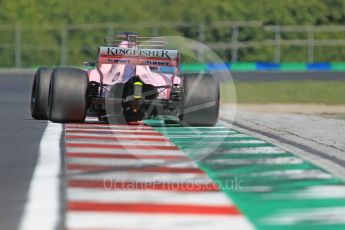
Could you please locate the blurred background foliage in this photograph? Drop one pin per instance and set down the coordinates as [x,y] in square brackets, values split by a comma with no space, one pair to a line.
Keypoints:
[43,46]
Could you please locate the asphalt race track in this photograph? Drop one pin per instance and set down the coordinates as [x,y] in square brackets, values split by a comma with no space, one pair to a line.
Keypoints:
[99,176]
[20,137]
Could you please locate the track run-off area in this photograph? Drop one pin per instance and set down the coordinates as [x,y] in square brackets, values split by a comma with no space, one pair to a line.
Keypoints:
[152,176]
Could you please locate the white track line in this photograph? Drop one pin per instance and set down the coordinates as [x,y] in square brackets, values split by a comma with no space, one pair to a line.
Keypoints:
[148,196]
[219,142]
[107,126]
[274,161]
[132,162]
[124,143]
[89,130]
[134,152]
[114,135]
[146,177]
[143,221]
[255,150]
[42,208]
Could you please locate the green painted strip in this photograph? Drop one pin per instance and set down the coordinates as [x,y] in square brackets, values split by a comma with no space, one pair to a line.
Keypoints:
[293,66]
[271,191]
[243,66]
[338,66]
[193,67]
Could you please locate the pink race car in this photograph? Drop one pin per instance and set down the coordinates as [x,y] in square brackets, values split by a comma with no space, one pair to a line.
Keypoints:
[128,83]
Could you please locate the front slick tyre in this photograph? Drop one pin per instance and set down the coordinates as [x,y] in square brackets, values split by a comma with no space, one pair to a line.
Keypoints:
[67,95]
[200,100]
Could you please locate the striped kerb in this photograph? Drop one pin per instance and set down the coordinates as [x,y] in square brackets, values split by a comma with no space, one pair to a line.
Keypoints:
[133,177]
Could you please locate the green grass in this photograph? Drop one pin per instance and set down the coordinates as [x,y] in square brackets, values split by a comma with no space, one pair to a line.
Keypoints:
[323,92]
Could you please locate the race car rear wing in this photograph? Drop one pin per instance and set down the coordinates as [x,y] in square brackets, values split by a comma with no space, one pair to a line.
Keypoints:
[134,56]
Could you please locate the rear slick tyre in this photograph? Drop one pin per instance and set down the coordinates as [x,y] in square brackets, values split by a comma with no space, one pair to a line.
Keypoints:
[67,95]
[200,100]
[40,93]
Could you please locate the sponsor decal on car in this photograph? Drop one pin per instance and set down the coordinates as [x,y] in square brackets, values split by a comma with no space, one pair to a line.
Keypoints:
[131,52]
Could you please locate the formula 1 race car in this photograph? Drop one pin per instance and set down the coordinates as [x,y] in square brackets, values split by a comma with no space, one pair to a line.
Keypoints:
[127,83]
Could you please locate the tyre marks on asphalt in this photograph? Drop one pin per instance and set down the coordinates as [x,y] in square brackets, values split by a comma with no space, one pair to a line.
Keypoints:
[133,177]
[286,191]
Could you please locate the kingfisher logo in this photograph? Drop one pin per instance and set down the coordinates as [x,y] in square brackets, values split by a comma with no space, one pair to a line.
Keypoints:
[130,52]
[138,52]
